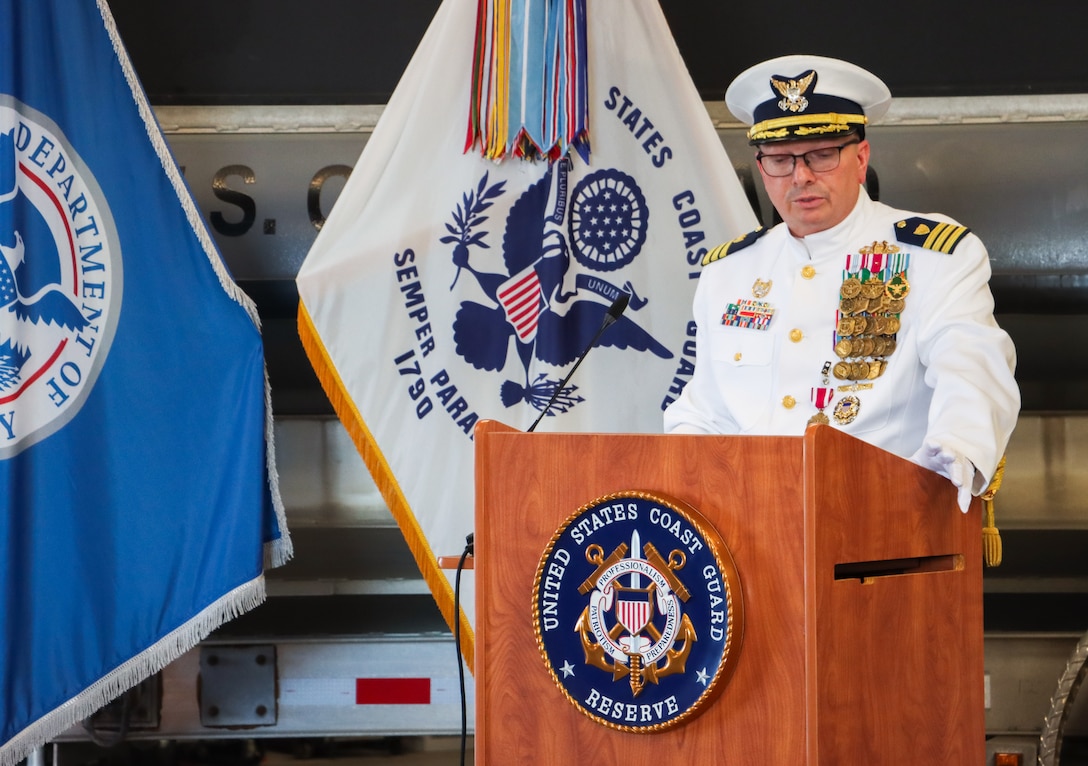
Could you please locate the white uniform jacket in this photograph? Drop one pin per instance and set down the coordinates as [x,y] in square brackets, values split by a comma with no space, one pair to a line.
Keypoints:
[947,384]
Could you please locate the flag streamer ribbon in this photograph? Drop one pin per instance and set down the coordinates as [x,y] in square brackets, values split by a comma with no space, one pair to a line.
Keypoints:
[529,85]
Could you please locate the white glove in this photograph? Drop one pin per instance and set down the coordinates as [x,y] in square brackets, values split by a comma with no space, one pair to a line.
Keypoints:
[956,468]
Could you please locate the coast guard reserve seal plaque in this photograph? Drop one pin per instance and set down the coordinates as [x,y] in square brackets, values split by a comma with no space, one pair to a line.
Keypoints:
[637,611]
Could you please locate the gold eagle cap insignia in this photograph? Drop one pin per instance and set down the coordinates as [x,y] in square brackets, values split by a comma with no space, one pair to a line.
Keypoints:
[793,91]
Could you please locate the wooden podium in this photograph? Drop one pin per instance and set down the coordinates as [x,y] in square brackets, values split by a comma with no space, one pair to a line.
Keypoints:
[862,589]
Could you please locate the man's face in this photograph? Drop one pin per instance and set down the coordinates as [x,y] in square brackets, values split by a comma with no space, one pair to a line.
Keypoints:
[808,201]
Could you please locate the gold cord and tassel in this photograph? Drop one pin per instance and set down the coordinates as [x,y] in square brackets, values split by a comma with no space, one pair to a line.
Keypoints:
[991,538]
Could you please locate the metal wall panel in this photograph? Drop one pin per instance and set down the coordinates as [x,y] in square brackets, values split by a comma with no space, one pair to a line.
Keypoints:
[353,51]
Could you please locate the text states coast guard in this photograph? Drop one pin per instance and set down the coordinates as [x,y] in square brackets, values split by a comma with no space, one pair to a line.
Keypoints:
[581,534]
[688,216]
[642,128]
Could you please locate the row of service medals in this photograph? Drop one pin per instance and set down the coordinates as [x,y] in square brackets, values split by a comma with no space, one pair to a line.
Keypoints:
[872,296]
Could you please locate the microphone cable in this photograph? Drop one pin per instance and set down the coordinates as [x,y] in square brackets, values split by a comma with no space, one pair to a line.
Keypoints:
[469,548]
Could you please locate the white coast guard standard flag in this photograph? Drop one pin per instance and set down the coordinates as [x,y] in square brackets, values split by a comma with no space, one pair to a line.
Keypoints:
[135,466]
[446,288]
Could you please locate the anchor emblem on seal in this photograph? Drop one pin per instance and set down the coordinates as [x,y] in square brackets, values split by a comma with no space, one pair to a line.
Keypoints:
[634,625]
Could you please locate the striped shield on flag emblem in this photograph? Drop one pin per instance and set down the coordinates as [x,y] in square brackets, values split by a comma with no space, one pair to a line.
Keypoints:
[521,299]
[633,608]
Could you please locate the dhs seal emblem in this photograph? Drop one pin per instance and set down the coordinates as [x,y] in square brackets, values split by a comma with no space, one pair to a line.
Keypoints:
[638,612]
[60,278]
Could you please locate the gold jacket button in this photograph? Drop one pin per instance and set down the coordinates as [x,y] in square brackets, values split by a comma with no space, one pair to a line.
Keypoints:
[808,272]
[736,357]
[796,335]
[789,402]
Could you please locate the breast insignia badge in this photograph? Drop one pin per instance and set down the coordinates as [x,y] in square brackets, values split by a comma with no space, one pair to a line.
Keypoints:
[637,611]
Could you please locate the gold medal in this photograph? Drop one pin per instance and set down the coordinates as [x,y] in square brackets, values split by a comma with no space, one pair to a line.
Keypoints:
[897,286]
[867,323]
[851,287]
[821,397]
[872,288]
[846,410]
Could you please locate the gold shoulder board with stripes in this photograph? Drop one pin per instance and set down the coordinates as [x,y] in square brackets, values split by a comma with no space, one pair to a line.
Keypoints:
[733,246]
[932,235]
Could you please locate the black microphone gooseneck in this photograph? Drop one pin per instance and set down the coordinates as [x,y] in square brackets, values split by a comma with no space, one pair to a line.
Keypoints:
[615,311]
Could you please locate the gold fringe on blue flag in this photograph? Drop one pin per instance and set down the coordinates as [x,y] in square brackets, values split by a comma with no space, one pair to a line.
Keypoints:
[529,80]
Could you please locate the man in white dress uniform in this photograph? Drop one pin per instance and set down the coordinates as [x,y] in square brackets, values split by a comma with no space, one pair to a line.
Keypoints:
[875,320]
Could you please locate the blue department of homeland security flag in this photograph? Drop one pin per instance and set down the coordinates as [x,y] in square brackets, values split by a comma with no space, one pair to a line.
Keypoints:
[137,480]
[446,287]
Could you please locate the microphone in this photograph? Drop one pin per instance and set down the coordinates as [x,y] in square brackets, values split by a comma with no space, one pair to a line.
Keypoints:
[615,311]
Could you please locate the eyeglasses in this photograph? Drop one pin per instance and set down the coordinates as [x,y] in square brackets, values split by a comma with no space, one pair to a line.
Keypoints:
[818,160]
